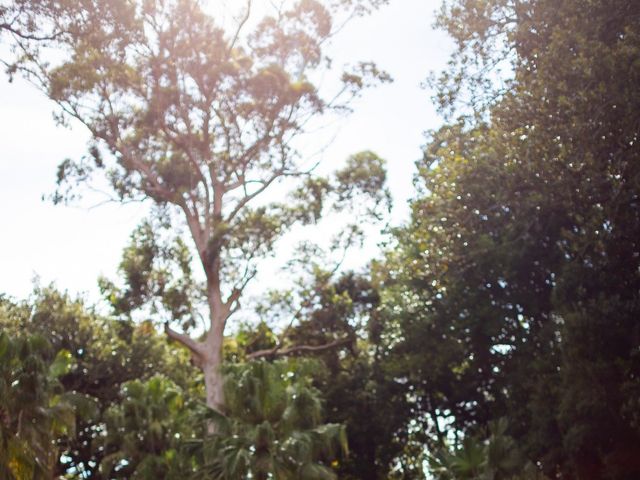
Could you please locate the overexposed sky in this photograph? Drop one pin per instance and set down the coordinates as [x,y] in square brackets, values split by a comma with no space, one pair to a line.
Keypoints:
[73,245]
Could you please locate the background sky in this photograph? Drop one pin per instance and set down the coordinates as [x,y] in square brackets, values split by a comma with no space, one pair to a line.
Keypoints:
[72,245]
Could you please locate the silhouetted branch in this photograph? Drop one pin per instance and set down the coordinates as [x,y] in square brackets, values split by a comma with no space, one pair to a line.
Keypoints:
[296,349]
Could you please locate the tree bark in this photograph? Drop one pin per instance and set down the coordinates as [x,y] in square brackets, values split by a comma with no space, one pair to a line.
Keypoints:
[214,383]
[212,367]
[207,356]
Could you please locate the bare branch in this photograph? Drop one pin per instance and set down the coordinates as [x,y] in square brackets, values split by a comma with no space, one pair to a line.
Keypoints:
[237,291]
[195,347]
[278,173]
[297,349]
[241,24]
[28,36]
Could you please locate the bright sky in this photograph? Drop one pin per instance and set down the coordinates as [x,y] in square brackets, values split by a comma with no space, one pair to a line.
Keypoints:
[72,246]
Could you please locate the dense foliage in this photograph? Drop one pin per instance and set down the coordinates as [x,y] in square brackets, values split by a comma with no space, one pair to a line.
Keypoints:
[517,280]
[33,408]
[103,355]
[496,338]
[273,427]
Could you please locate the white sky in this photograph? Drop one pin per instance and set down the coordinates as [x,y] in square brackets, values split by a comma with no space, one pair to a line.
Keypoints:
[72,246]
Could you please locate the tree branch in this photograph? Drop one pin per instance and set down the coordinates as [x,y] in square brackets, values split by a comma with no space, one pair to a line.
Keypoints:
[195,347]
[241,24]
[27,36]
[247,198]
[296,349]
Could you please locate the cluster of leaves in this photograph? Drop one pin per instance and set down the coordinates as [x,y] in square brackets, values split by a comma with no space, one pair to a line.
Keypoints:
[272,427]
[33,407]
[103,356]
[336,318]
[514,290]
[116,401]
[146,430]
[492,456]
[358,388]
[157,279]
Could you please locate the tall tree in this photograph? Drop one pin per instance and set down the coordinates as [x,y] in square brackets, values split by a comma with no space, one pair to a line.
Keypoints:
[201,118]
[514,290]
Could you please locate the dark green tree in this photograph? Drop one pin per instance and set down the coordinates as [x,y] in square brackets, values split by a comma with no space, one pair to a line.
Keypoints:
[34,409]
[335,314]
[514,290]
[146,430]
[492,456]
[359,389]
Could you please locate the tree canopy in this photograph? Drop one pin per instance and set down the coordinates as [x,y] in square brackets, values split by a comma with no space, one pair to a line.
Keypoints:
[495,336]
[517,277]
[201,119]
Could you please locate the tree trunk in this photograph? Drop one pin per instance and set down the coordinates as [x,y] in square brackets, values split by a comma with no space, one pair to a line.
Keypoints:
[208,357]
[214,383]
[212,368]
[218,313]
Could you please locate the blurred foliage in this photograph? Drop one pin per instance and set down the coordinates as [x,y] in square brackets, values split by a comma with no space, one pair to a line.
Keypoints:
[514,290]
[356,382]
[272,427]
[492,456]
[145,431]
[117,402]
[157,278]
[104,355]
[496,339]
[34,408]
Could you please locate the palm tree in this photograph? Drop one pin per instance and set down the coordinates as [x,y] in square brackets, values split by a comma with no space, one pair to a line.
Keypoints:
[496,457]
[272,427]
[144,431]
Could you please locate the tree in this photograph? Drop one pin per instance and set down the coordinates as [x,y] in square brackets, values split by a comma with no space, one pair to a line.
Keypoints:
[273,428]
[201,120]
[104,354]
[33,407]
[146,430]
[358,388]
[514,289]
[496,457]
